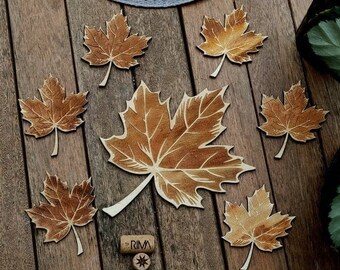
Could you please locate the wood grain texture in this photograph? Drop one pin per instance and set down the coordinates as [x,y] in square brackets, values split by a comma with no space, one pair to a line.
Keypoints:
[299,10]
[325,92]
[299,173]
[14,224]
[186,238]
[42,46]
[102,120]
[190,237]
[240,120]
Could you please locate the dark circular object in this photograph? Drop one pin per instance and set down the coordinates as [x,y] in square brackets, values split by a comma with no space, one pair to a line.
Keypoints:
[154,3]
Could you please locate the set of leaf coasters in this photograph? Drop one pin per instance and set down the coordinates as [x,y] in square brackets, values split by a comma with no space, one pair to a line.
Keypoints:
[173,151]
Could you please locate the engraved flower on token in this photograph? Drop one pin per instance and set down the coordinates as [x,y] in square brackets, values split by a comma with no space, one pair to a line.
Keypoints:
[141,261]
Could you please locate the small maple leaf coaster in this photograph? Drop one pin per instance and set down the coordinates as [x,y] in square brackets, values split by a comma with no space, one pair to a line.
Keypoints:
[229,40]
[54,112]
[255,226]
[291,118]
[64,210]
[174,151]
[115,47]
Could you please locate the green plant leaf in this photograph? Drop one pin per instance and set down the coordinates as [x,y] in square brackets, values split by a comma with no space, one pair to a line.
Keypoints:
[330,202]
[324,39]
[318,40]
[334,215]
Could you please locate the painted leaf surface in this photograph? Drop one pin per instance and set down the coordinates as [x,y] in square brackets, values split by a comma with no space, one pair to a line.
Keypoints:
[115,46]
[64,209]
[54,112]
[230,39]
[175,151]
[292,117]
[256,226]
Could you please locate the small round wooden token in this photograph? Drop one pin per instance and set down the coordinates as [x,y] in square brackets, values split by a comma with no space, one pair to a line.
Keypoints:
[141,261]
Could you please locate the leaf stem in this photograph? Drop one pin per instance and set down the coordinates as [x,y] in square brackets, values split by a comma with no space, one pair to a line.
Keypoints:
[103,83]
[215,73]
[80,247]
[247,262]
[56,144]
[280,153]
[118,207]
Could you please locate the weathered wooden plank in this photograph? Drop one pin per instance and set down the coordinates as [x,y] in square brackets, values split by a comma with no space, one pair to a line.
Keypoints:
[14,223]
[190,236]
[102,120]
[240,121]
[299,10]
[298,174]
[42,46]
[325,92]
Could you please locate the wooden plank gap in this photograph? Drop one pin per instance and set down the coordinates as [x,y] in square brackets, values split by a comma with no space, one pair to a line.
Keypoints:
[292,14]
[132,70]
[87,160]
[153,190]
[239,96]
[22,134]
[325,89]
[187,52]
[40,48]
[220,230]
[173,79]
[308,89]
[266,160]
[264,151]
[274,72]
[105,105]
[158,227]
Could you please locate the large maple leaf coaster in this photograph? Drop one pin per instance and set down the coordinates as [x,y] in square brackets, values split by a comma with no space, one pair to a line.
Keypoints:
[54,112]
[116,46]
[256,226]
[64,210]
[291,118]
[174,151]
[229,40]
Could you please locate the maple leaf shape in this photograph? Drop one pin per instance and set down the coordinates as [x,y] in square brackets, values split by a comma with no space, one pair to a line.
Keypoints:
[174,151]
[115,47]
[291,118]
[229,40]
[255,226]
[64,210]
[54,112]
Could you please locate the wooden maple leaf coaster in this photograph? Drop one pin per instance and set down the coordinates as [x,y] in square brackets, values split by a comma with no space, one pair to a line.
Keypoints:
[116,46]
[174,151]
[54,112]
[291,118]
[256,226]
[64,210]
[229,40]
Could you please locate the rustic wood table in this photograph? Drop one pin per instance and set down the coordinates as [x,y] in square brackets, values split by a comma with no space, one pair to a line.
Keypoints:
[43,37]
